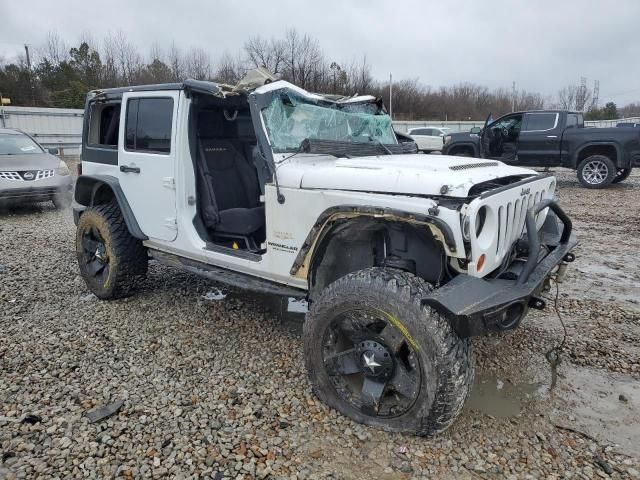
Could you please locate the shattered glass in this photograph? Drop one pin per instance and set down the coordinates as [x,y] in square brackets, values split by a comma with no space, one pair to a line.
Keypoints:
[291,119]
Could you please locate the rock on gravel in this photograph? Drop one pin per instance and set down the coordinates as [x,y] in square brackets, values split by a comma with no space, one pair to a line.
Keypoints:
[215,388]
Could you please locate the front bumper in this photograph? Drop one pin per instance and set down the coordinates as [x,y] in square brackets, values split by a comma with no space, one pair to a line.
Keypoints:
[36,193]
[475,306]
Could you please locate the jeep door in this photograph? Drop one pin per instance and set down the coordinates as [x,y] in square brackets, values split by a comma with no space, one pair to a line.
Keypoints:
[146,160]
[539,141]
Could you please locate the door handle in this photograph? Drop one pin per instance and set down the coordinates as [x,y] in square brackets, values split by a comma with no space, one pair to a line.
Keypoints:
[128,169]
[552,136]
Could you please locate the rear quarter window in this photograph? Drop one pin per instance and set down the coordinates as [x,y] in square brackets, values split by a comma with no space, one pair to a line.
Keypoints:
[541,121]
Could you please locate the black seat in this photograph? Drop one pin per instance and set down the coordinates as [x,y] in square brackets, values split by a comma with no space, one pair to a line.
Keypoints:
[230,193]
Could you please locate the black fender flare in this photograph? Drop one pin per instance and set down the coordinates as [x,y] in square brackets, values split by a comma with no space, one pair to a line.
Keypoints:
[85,192]
[321,226]
[471,145]
[620,162]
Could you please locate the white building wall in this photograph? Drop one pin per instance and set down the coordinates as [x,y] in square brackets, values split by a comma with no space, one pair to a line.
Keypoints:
[51,127]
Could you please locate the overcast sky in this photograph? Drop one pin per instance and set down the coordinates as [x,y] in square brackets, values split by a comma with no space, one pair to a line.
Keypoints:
[541,45]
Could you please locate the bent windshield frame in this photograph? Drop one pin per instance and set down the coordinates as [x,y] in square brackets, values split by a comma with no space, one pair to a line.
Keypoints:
[18,144]
[290,119]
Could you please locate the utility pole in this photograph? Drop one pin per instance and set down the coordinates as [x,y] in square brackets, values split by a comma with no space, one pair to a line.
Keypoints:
[31,85]
[391,96]
[513,97]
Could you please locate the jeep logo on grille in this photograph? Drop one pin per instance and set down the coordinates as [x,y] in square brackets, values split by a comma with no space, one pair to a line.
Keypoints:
[525,191]
[28,175]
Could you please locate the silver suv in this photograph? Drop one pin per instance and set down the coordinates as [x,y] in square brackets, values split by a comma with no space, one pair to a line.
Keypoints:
[28,173]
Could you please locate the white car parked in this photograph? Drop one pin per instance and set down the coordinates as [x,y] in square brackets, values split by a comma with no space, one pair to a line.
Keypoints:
[429,139]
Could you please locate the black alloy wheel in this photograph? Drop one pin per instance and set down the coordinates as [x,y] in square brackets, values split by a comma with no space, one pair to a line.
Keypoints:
[371,364]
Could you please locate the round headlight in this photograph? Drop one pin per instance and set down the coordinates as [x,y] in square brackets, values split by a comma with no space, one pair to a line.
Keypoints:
[466,226]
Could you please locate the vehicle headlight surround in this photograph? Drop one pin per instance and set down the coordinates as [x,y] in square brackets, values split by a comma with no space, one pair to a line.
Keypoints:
[479,223]
[466,228]
[62,169]
[447,139]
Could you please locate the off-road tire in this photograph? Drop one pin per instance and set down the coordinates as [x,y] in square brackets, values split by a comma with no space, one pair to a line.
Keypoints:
[597,159]
[622,175]
[446,360]
[128,258]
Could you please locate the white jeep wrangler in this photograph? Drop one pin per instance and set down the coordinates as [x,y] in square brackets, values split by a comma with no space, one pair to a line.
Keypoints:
[403,257]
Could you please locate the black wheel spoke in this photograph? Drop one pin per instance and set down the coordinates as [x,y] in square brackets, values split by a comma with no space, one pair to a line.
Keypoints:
[89,245]
[343,363]
[369,362]
[392,338]
[94,267]
[372,391]
[404,382]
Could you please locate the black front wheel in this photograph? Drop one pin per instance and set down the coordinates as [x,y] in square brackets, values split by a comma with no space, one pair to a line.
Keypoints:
[376,355]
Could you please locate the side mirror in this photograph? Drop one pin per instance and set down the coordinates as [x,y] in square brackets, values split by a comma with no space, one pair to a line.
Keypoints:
[53,151]
[475,130]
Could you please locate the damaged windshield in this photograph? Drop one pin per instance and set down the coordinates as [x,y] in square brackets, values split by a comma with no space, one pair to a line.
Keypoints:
[290,119]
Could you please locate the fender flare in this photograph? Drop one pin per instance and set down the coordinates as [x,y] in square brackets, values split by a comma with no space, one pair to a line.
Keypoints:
[473,146]
[85,192]
[324,222]
[620,160]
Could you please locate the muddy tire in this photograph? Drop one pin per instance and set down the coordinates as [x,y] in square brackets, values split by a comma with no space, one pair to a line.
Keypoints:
[621,175]
[111,261]
[596,171]
[376,355]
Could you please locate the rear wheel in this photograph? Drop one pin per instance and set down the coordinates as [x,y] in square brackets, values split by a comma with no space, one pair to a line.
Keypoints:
[621,175]
[111,261]
[376,355]
[596,171]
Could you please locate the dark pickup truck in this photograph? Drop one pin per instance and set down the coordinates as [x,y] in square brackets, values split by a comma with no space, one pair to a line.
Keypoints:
[553,138]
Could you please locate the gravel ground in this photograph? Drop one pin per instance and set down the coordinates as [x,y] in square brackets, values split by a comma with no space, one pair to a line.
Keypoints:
[215,387]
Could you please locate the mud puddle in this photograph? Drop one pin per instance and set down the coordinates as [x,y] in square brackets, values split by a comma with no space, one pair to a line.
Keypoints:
[601,404]
[502,398]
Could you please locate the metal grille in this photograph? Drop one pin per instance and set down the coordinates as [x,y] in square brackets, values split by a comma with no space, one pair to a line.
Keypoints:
[45,174]
[10,176]
[511,220]
[38,175]
[466,166]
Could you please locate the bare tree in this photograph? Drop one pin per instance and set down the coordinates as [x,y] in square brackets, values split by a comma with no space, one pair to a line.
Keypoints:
[198,64]
[265,53]
[176,63]
[229,70]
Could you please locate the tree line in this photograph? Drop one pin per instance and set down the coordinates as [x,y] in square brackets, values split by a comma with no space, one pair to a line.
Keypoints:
[59,76]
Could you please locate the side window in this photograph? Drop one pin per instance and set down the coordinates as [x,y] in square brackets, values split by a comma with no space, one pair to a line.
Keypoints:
[148,125]
[541,121]
[104,122]
[572,120]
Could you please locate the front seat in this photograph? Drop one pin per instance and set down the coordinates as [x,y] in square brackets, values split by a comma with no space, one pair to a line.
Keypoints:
[230,191]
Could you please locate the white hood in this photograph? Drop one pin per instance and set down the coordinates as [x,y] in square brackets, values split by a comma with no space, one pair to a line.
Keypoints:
[401,174]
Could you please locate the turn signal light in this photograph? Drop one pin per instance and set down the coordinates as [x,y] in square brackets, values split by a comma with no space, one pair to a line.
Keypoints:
[480,263]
